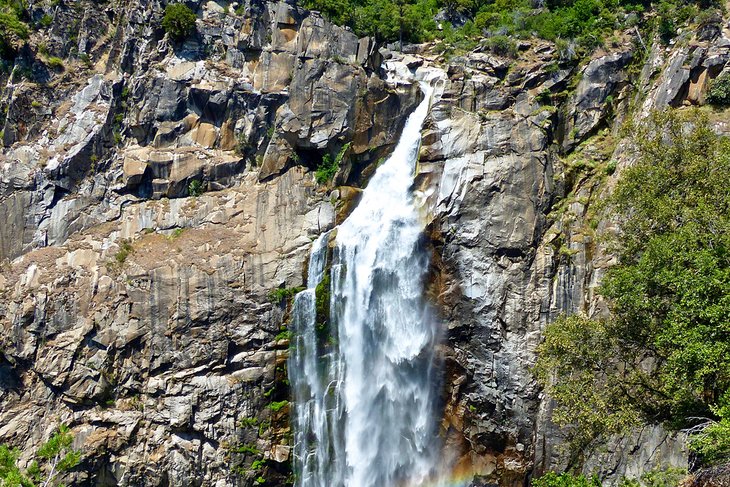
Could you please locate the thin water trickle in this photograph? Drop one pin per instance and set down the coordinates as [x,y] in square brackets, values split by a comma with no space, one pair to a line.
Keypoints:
[365,377]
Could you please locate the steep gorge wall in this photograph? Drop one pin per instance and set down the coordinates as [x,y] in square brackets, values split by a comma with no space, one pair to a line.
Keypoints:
[140,315]
[132,311]
[513,177]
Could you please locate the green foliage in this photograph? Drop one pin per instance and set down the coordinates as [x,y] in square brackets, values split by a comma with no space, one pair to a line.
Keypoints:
[247,449]
[179,21]
[279,295]
[56,457]
[125,248]
[45,21]
[590,404]
[657,477]
[382,19]
[587,21]
[283,335]
[711,440]
[544,97]
[58,449]
[328,167]
[322,300]
[663,477]
[195,188]
[55,63]
[664,354]
[11,28]
[502,45]
[247,422]
[552,479]
[610,168]
[719,91]
[277,406]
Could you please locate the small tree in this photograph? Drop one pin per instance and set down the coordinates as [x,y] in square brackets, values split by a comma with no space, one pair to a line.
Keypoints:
[663,354]
[56,457]
[179,21]
[719,93]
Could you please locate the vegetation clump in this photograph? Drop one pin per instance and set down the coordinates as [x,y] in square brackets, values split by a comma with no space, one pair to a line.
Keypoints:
[12,27]
[329,166]
[281,294]
[55,458]
[55,63]
[179,21]
[125,248]
[277,406]
[579,25]
[719,93]
[195,188]
[552,479]
[663,354]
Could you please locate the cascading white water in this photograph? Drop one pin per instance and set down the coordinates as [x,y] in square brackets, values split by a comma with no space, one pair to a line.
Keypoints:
[363,370]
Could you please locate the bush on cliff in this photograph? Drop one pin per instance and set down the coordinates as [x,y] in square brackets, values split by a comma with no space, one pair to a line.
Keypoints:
[663,354]
[11,28]
[552,479]
[586,23]
[719,92]
[53,460]
[179,21]
[383,19]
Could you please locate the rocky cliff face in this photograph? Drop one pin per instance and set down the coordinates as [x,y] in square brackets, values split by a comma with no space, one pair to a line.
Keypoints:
[154,195]
[514,161]
[133,310]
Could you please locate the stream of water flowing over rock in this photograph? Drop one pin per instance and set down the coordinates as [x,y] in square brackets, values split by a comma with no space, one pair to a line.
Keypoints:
[362,365]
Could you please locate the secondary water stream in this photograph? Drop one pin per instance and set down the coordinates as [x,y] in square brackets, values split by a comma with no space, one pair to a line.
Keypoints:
[362,366]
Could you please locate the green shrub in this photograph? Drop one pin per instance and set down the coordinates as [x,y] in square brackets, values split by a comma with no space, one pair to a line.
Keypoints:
[248,422]
[718,93]
[663,355]
[611,167]
[11,27]
[45,21]
[711,440]
[53,459]
[195,188]
[279,294]
[277,406]
[552,479]
[329,166]
[544,97]
[55,63]
[179,21]
[502,46]
[125,248]
[383,19]
[283,335]
[247,449]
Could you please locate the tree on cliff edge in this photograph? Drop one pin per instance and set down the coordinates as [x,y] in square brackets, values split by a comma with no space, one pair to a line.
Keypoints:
[663,354]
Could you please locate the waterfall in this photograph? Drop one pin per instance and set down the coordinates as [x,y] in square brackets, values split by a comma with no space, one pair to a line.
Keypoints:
[362,365]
